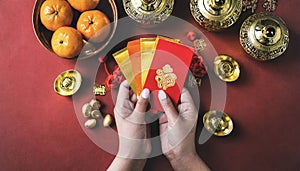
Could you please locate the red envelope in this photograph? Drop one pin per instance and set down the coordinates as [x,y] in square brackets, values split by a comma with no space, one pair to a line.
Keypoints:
[168,71]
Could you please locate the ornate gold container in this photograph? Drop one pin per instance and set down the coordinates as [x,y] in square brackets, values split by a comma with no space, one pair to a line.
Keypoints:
[218,123]
[214,15]
[148,11]
[264,36]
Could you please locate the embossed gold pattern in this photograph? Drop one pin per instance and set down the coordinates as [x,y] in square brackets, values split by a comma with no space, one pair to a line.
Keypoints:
[148,11]
[264,36]
[99,90]
[165,77]
[214,15]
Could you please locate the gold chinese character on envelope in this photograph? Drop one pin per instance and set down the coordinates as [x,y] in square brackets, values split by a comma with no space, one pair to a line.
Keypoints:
[165,77]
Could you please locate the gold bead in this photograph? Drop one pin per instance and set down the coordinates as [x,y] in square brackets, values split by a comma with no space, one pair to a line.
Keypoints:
[108,120]
[96,104]
[91,123]
[86,110]
[96,114]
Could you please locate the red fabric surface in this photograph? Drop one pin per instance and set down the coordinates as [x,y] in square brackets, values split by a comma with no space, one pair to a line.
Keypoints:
[39,129]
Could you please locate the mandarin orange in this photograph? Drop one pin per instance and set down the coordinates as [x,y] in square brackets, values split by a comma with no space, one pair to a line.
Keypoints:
[67,42]
[94,25]
[83,5]
[56,13]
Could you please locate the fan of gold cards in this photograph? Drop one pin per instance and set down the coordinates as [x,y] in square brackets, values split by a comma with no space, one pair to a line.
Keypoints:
[155,63]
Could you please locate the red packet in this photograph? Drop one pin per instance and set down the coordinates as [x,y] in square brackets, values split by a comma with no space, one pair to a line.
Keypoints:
[134,52]
[168,71]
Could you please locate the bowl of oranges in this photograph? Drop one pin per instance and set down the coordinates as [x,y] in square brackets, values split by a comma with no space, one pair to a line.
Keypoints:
[73,28]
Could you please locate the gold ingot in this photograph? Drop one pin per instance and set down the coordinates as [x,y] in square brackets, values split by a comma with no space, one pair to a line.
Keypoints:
[218,123]
[264,36]
[67,83]
[226,68]
[108,120]
[91,123]
[215,15]
[148,12]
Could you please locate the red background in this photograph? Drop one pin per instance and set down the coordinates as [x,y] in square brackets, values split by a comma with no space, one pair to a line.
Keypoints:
[39,129]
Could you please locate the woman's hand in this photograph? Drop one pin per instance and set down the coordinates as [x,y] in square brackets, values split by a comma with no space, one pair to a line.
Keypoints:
[177,131]
[134,147]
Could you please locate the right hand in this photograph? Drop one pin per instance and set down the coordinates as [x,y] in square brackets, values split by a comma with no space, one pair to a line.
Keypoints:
[177,131]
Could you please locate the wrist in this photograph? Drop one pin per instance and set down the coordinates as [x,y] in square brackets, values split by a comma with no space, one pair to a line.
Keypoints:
[182,159]
[120,163]
[134,149]
[191,162]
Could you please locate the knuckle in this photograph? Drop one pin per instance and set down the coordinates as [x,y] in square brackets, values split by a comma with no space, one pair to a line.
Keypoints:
[142,102]
[168,103]
[122,111]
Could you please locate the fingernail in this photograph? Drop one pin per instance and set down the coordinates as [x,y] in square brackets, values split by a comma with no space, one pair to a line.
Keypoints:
[145,93]
[125,82]
[162,95]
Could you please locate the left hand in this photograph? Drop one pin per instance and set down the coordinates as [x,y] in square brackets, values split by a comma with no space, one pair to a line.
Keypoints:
[130,120]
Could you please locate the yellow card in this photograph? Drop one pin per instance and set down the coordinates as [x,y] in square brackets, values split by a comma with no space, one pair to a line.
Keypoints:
[147,52]
[123,60]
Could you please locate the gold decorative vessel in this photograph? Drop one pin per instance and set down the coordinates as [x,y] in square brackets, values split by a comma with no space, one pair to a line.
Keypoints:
[215,15]
[218,123]
[264,36]
[148,12]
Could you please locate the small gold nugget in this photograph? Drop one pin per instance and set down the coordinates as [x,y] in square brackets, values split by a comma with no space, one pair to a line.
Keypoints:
[96,114]
[108,120]
[86,110]
[91,123]
[96,105]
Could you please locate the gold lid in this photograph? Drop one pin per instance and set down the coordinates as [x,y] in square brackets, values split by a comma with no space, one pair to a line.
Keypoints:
[264,36]
[148,11]
[214,15]
[67,83]
[218,123]
[226,68]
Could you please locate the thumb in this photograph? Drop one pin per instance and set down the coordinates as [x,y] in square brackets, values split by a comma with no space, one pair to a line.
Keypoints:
[168,106]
